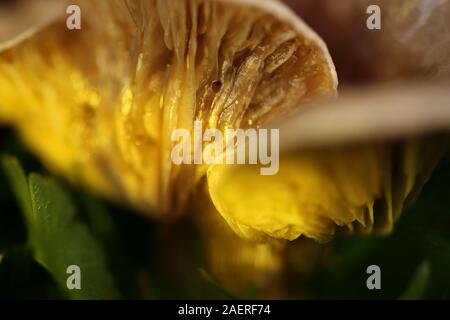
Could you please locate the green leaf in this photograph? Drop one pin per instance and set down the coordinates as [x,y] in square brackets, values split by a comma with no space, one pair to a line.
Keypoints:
[108,235]
[418,285]
[57,238]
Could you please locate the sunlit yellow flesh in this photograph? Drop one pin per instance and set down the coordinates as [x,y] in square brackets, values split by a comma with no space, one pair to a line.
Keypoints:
[250,264]
[360,188]
[99,105]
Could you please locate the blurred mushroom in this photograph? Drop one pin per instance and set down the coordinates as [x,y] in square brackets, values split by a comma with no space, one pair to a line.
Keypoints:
[106,99]
[99,106]
[414,40]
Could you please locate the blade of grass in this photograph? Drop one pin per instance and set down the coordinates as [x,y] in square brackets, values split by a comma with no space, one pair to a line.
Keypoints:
[418,284]
[209,278]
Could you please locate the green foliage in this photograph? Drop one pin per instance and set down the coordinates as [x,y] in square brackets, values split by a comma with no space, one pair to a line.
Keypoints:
[122,255]
[57,238]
